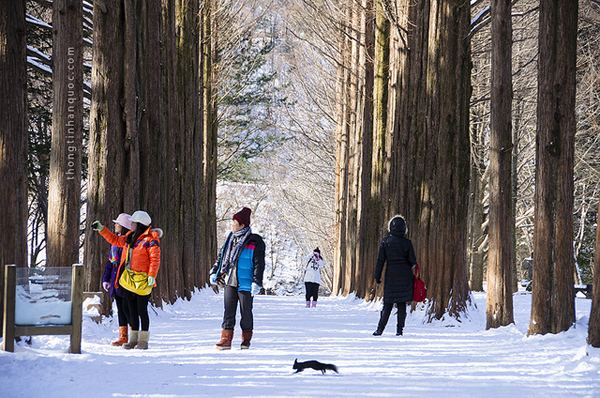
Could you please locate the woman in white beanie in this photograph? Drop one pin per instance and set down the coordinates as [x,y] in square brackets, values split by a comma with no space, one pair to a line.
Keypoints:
[141,254]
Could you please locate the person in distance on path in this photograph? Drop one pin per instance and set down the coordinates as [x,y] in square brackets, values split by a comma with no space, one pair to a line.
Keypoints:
[312,276]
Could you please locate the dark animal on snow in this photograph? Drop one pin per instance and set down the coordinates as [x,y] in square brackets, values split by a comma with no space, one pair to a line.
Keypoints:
[316,365]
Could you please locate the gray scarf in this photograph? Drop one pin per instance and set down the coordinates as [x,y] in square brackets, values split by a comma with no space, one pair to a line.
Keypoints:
[235,240]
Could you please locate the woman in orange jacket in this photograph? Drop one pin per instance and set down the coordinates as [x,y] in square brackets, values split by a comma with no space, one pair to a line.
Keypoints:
[141,252]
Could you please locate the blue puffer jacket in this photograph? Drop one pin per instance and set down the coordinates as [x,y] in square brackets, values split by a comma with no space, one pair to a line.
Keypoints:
[248,267]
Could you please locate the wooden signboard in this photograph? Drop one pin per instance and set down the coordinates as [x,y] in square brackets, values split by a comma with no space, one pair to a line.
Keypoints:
[11,329]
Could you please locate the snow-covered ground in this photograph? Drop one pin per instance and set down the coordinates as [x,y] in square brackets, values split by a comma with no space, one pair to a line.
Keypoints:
[441,359]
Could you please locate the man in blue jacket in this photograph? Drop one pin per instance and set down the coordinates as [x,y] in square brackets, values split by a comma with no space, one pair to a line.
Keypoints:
[239,267]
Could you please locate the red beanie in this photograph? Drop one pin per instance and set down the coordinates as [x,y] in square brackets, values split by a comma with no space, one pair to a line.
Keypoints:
[243,216]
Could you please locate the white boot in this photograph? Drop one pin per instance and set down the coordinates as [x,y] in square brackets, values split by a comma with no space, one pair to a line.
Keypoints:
[143,343]
[133,340]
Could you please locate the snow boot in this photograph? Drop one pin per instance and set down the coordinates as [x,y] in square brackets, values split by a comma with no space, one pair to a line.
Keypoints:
[225,343]
[307,304]
[122,337]
[314,305]
[246,337]
[399,332]
[133,340]
[143,341]
[383,320]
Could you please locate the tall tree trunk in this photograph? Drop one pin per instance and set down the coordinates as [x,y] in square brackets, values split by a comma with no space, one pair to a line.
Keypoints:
[367,217]
[359,224]
[152,137]
[499,309]
[108,148]
[513,218]
[553,298]
[171,277]
[354,136]
[180,158]
[189,168]
[477,230]
[594,325]
[64,194]
[210,137]
[373,227]
[343,111]
[348,154]
[391,83]
[13,139]
[448,129]
[130,60]
[477,237]
[434,149]
[408,61]
[363,150]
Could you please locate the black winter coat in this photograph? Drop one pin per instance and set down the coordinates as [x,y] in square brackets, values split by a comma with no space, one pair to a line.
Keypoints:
[399,254]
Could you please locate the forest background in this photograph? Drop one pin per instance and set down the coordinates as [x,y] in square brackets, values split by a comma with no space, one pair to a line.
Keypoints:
[306,104]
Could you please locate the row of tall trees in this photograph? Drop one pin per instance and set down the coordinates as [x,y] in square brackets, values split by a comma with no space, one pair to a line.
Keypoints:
[403,142]
[557,307]
[403,146]
[163,86]
[152,136]
[152,133]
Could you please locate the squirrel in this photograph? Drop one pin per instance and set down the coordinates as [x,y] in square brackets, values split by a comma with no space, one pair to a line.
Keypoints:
[316,365]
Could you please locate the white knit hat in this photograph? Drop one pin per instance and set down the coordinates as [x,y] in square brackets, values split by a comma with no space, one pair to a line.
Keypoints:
[141,217]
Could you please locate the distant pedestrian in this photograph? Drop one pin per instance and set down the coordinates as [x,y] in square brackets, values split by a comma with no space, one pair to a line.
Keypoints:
[111,275]
[312,277]
[397,254]
[140,260]
[239,267]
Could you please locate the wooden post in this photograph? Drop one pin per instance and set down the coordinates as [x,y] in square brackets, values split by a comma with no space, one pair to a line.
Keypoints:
[76,311]
[8,328]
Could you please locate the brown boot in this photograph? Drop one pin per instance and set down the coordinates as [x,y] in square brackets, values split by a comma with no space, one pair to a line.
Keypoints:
[122,337]
[133,340]
[225,343]
[246,337]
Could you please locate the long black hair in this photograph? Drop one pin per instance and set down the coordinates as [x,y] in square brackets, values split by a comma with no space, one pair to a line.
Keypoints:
[132,238]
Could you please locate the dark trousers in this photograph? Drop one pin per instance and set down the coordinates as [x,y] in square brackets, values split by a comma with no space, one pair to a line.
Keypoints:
[385,315]
[312,290]
[231,298]
[138,310]
[122,311]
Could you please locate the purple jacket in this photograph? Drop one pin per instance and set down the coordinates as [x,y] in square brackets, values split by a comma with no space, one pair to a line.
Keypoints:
[110,271]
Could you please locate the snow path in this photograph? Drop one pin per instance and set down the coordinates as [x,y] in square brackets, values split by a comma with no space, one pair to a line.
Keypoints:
[443,359]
